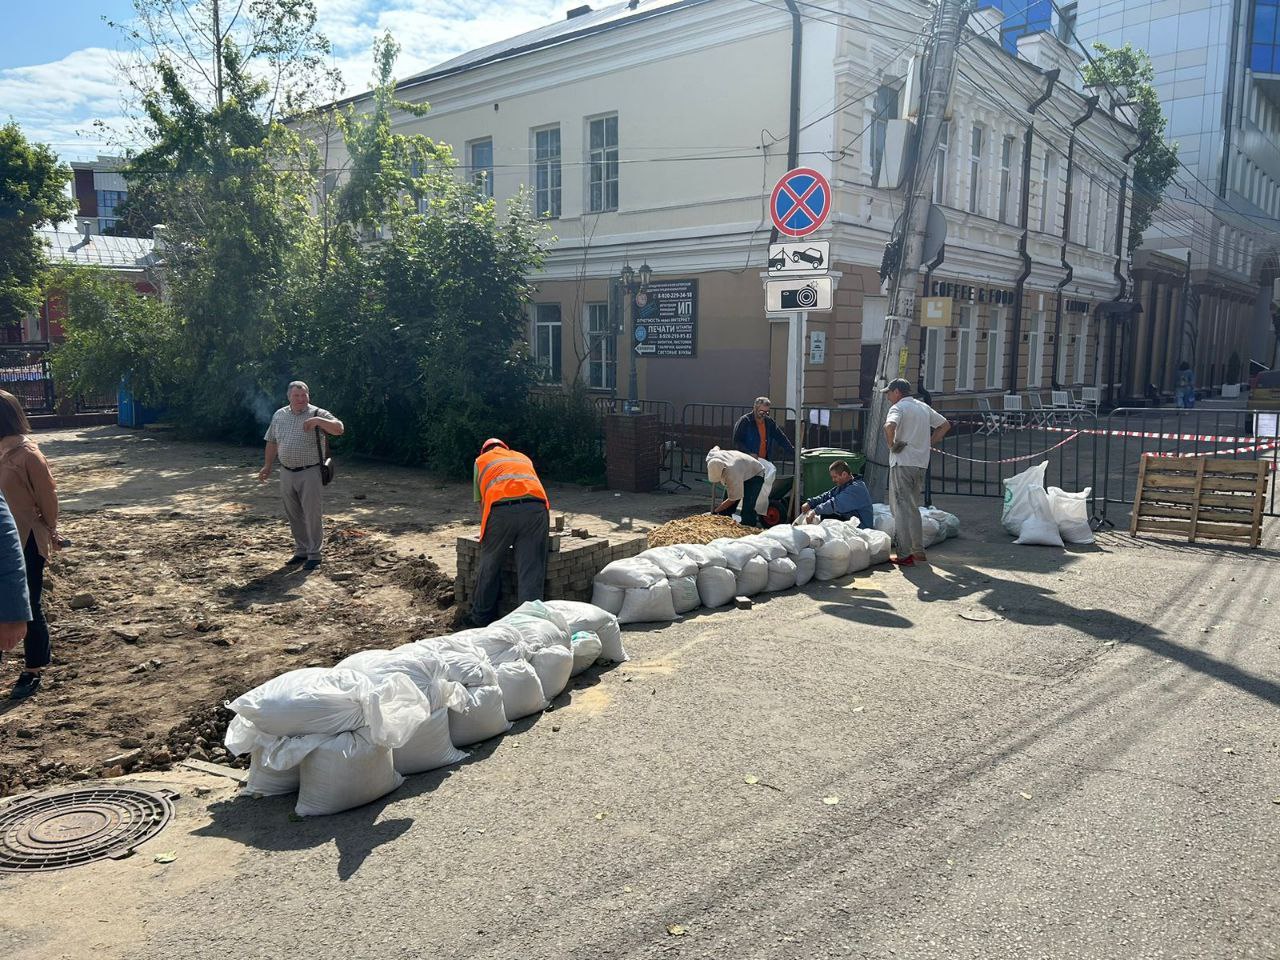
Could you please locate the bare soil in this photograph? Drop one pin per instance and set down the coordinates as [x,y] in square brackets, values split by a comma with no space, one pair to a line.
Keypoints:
[174,597]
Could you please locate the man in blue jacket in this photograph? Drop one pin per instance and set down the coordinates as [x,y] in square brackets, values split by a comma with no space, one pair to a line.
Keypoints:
[849,498]
[758,434]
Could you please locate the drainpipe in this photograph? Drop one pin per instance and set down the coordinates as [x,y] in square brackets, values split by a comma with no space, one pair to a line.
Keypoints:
[1069,270]
[1024,207]
[1120,244]
[793,121]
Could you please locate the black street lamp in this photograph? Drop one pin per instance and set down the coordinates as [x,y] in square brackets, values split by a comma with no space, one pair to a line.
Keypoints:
[632,283]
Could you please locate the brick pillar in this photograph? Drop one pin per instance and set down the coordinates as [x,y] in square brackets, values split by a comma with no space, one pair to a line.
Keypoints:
[632,450]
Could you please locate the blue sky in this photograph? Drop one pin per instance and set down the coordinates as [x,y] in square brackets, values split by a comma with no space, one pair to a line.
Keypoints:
[58,58]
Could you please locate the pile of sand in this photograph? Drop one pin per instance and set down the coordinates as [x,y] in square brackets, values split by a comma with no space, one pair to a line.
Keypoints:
[701,529]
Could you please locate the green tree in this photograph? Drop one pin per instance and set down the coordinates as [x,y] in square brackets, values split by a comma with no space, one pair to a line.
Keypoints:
[1129,72]
[32,194]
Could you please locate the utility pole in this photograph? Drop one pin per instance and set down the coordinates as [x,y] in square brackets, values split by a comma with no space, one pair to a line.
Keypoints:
[940,70]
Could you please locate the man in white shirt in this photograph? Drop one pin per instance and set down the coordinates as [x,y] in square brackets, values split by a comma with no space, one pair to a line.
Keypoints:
[742,476]
[912,428]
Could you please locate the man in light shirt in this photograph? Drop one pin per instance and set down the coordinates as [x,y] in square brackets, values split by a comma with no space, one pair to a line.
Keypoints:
[912,428]
[743,477]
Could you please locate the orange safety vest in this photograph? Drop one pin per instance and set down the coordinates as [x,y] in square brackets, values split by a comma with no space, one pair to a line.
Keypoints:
[505,475]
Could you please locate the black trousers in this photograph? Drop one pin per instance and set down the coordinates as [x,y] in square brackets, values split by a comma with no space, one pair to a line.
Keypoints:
[36,645]
[523,526]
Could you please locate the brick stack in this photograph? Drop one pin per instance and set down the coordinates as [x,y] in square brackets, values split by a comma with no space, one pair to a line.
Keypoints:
[570,569]
[632,451]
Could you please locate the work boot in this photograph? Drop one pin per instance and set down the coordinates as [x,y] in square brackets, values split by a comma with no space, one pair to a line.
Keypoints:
[28,683]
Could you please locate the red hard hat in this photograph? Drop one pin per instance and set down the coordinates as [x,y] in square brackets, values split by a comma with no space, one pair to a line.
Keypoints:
[493,442]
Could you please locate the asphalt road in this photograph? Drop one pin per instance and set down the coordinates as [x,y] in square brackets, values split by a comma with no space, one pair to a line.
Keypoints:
[1092,775]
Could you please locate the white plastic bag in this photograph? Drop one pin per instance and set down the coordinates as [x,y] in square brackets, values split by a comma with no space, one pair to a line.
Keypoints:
[344,771]
[717,586]
[930,531]
[816,532]
[736,553]
[648,604]
[782,575]
[791,538]
[263,781]
[879,543]
[766,547]
[753,577]
[521,690]
[586,647]
[806,565]
[585,616]
[429,747]
[672,561]
[607,597]
[1019,491]
[483,716]
[631,572]
[833,560]
[885,524]
[684,593]
[554,666]
[537,625]
[464,662]
[1071,513]
[859,554]
[703,556]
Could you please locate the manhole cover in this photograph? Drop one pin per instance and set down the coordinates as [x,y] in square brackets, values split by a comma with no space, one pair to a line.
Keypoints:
[79,826]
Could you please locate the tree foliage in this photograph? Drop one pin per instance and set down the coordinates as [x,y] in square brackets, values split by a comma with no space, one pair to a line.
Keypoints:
[1129,72]
[32,195]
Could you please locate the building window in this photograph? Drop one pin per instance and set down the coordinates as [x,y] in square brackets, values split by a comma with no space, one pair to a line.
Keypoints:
[1067,23]
[108,201]
[547,341]
[1035,351]
[546,172]
[1064,355]
[964,348]
[480,165]
[1089,190]
[1082,352]
[995,349]
[935,356]
[602,360]
[885,108]
[1048,188]
[602,164]
[975,170]
[940,164]
[1006,177]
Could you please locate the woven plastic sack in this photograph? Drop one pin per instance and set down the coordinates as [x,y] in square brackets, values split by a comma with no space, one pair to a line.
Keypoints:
[482,718]
[791,538]
[648,604]
[703,556]
[1022,492]
[585,616]
[879,543]
[672,561]
[736,553]
[859,554]
[767,548]
[586,647]
[464,662]
[1071,512]
[837,530]
[930,531]
[782,575]
[429,748]
[426,668]
[717,586]
[608,597]
[554,666]
[753,577]
[537,625]
[684,593]
[521,690]
[342,772]
[833,560]
[263,781]
[806,565]
[631,572]
[816,532]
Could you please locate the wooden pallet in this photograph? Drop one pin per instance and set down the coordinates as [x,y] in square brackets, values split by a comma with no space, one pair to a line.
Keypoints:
[1200,497]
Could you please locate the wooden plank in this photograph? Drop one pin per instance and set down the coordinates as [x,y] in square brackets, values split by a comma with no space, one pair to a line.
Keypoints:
[1228,516]
[1137,497]
[1176,463]
[1222,484]
[1179,526]
[1200,497]
[1245,467]
[1166,511]
[1195,511]
[1173,481]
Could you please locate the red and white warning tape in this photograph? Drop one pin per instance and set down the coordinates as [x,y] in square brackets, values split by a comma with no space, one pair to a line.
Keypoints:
[1029,456]
[1146,435]
[1252,448]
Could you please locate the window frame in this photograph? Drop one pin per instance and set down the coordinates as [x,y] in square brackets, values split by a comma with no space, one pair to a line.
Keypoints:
[940,164]
[481,176]
[549,360]
[883,109]
[1048,176]
[977,142]
[602,346]
[1035,357]
[935,358]
[553,208]
[996,334]
[602,163]
[965,359]
[1006,176]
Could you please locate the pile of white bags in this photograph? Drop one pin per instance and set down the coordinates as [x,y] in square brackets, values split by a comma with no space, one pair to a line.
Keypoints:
[482,714]
[1027,514]
[750,570]
[586,617]
[682,575]
[883,518]
[635,590]
[1071,513]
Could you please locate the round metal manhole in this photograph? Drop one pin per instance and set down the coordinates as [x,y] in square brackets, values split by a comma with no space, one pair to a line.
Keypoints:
[67,829]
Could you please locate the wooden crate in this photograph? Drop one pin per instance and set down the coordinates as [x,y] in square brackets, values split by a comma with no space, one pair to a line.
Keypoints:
[1200,497]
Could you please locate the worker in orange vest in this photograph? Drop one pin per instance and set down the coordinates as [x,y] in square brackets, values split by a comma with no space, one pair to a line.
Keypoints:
[514,512]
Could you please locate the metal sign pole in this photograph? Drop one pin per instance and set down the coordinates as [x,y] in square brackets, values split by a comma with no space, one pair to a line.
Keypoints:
[798,325]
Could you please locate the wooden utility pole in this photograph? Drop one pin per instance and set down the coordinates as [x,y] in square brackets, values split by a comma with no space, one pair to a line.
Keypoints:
[938,73]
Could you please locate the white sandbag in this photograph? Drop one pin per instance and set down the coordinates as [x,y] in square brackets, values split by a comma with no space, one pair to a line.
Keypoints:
[806,565]
[1039,531]
[815,532]
[483,716]
[429,747]
[930,532]
[752,578]
[836,529]
[767,548]
[631,572]
[859,554]
[948,523]
[497,642]
[426,668]
[586,647]
[879,543]
[671,561]
[263,781]
[593,619]
[1071,513]
[1018,493]
[331,701]
[554,666]
[607,597]
[736,553]
[648,604]
[684,592]
[703,556]
[342,772]
[717,586]
[521,690]
[464,662]
[782,575]
[885,524]
[833,560]
[537,625]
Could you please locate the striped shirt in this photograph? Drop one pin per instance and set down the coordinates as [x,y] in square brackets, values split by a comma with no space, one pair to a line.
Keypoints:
[296,447]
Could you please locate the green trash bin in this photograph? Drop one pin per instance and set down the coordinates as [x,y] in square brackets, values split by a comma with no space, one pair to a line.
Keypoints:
[815,467]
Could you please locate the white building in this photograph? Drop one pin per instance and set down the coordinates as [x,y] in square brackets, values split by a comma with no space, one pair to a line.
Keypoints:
[653,131]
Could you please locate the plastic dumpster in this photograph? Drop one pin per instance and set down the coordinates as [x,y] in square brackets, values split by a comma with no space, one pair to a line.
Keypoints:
[815,467]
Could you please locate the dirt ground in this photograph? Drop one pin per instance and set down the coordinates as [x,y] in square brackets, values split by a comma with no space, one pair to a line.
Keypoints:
[173,595]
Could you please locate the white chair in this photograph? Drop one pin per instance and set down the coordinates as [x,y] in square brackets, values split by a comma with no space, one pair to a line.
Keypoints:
[1063,406]
[1012,408]
[1040,414]
[1090,399]
[992,422]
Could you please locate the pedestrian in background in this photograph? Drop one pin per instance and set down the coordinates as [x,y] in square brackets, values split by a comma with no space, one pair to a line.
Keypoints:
[32,497]
[293,438]
[912,429]
[514,513]
[1186,386]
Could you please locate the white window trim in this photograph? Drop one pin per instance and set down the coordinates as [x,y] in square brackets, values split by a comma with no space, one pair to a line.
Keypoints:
[965,345]
[548,375]
[995,342]
[1035,352]
[604,183]
[473,170]
[605,340]
[975,168]
[550,213]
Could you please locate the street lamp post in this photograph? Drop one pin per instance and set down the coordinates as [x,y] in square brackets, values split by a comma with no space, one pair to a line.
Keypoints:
[632,283]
